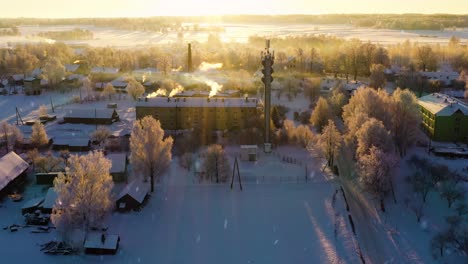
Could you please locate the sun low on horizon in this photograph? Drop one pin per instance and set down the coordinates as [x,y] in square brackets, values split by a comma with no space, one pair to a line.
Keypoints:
[144,8]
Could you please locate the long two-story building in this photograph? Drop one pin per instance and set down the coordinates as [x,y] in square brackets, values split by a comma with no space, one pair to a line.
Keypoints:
[179,113]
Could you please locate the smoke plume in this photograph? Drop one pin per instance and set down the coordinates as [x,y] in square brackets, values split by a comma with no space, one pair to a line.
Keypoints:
[206,66]
[177,89]
[159,92]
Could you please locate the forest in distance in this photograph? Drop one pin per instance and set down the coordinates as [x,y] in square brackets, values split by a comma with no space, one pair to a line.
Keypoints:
[380,21]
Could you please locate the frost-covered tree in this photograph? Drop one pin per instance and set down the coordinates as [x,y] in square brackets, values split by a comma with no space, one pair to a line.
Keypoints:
[375,171]
[48,163]
[216,164]
[377,76]
[87,87]
[54,71]
[330,142]
[304,136]
[33,155]
[321,114]
[151,152]
[100,134]
[405,113]
[338,100]
[83,193]
[9,135]
[42,111]
[373,133]
[38,134]
[108,90]
[135,89]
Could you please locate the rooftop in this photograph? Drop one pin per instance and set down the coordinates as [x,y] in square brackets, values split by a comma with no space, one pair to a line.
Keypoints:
[11,166]
[442,105]
[118,162]
[196,102]
[136,189]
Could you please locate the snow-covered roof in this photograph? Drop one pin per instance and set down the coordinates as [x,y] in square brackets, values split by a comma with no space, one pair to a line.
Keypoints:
[36,72]
[50,199]
[148,70]
[108,70]
[442,105]
[118,83]
[136,189]
[118,162]
[197,102]
[33,203]
[18,77]
[29,79]
[94,240]
[71,67]
[89,113]
[71,141]
[11,166]
[74,77]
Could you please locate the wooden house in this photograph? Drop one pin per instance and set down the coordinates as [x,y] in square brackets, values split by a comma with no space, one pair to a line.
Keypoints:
[12,171]
[132,196]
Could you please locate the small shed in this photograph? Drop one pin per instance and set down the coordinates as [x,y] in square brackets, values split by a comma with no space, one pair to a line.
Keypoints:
[132,196]
[101,244]
[32,205]
[119,166]
[249,152]
[49,201]
[46,178]
[103,116]
[72,144]
[32,86]
[12,170]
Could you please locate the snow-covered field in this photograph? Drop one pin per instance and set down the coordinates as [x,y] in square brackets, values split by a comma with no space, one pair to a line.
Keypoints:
[183,222]
[235,32]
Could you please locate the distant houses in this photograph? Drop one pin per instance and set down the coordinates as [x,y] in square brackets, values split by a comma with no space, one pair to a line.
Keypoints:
[12,171]
[444,118]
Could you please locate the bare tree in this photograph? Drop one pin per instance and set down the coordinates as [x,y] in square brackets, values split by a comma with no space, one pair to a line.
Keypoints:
[451,192]
[422,183]
[151,152]
[84,193]
[216,164]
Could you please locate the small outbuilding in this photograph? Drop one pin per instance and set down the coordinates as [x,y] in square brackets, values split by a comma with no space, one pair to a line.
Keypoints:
[101,244]
[102,116]
[32,205]
[49,201]
[46,178]
[119,166]
[132,196]
[248,152]
[12,171]
[72,144]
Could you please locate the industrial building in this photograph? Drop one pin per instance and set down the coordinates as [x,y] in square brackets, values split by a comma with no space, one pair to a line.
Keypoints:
[444,118]
[188,112]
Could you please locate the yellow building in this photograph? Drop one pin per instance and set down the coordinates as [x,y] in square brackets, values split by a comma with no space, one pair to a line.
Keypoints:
[209,113]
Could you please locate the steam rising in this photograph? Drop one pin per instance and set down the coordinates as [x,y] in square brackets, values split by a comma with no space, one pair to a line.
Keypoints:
[159,92]
[177,89]
[206,66]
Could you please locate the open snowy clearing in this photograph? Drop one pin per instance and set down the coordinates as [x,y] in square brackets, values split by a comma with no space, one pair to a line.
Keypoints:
[209,223]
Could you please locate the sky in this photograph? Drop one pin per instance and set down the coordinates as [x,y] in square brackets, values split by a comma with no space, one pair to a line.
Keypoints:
[138,8]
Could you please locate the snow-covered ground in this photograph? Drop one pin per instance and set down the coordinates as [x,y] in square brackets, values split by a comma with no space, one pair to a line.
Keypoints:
[187,222]
[104,37]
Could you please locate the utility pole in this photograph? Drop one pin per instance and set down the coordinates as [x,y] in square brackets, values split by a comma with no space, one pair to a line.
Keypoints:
[189,58]
[267,61]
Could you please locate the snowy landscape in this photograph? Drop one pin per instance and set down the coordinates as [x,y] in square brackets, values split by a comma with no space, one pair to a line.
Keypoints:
[339,138]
